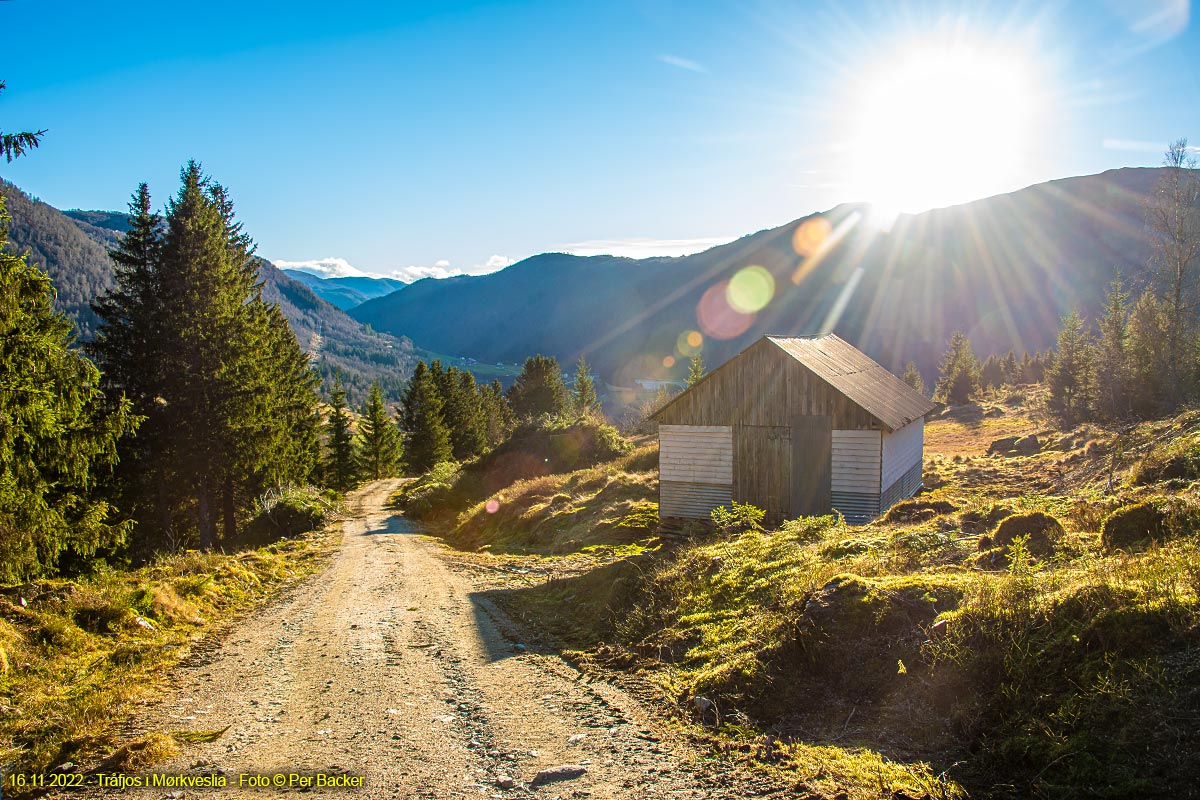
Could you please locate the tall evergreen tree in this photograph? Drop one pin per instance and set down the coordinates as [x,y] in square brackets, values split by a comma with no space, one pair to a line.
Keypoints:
[912,376]
[991,374]
[428,440]
[695,370]
[1009,367]
[339,469]
[461,411]
[959,380]
[496,413]
[58,435]
[379,439]
[1070,377]
[1113,386]
[584,396]
[1149,355]
[539,389]
[228,393]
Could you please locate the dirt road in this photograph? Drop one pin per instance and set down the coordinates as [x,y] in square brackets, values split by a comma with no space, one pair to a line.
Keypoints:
[388,665]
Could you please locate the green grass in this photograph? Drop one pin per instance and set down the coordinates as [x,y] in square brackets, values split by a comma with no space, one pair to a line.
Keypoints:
[920,653]
[77,653]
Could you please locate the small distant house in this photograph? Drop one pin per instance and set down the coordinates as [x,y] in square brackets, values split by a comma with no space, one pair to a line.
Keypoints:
[796,426]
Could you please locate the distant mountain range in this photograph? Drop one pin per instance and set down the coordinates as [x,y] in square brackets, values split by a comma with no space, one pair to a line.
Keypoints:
[72,247]
[1003,269]
[347,292]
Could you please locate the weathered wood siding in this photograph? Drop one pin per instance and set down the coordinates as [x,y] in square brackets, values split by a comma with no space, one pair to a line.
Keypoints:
[856,473]
[903,460]
[695,469]
[764,386]
[763,469]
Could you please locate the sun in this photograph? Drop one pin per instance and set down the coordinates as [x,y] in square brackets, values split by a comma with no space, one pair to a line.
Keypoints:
[938,125]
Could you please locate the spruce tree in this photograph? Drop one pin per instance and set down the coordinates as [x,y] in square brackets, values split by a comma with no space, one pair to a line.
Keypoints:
[497,415]
[539,389]
[379,440]
[1070,376]
[58,435]
[228,393]
[15,145]
[339,468]
[991,374]
[428,440]
[1113,400]
[468,437]
[1009,367]
[695,370]
[1149,366]
[959,380]
[912,376]
[584,396]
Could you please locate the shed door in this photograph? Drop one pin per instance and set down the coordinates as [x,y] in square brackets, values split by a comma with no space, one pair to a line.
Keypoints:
[812,465]
[763,469]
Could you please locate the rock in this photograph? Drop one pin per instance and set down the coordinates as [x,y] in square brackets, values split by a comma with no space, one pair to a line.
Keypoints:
[1043,530]
[1003,445]
[563,772]
[506,781]
[576,738]
[1027,445]
[1133,527]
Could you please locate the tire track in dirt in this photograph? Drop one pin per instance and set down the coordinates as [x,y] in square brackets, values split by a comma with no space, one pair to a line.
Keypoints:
[389,665]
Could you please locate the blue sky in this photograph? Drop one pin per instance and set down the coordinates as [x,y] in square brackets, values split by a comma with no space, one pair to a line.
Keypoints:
[443,137]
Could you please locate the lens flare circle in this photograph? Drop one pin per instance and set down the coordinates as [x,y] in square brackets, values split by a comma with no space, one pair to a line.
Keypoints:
[689,343]
[810,235]
[669,362]
[717,318]
[750,289]
[492,506]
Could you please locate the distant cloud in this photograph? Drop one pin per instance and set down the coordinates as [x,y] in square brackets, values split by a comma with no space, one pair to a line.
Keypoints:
[494,264]
[682,63]
[443,269]
[644,247]
[324,268]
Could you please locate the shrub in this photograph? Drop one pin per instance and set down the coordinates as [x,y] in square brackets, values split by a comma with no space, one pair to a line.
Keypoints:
[288,512]
[739,518]
[918,509]
[978,520]
[1132,527]
[1178,461]
[1043,532]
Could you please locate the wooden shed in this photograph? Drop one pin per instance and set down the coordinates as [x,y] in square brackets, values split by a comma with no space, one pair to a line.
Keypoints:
[797,426]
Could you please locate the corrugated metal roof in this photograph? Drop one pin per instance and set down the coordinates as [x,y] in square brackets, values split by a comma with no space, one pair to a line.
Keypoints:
[853,373]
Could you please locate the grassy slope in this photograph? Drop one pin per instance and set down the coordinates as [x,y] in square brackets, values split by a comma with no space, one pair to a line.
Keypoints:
[914,653]
[74,654]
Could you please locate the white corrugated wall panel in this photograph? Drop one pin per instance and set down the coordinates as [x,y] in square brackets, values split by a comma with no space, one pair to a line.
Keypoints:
[855,465]
[695,454]
[901,450]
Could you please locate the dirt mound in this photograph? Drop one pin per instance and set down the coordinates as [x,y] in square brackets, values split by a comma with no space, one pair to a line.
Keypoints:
[1043,531]
[979,520]
[917,509]
[1133,527]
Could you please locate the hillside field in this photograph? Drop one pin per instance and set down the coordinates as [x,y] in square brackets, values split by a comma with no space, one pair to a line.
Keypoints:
[1025,627]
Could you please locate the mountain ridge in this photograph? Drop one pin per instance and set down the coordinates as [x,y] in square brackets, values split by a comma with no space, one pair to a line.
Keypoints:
[1003,268]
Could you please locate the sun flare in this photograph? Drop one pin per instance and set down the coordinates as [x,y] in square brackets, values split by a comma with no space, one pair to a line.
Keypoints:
[940,126]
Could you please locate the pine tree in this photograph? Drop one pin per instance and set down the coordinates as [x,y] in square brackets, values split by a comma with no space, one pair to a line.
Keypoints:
[1070,376]
[228,393]
[340,467]
[379,440]
[1149,355]
[1113,399]
[58,435]
[991,374]
[463,415]
[538,389]
[1009,367]
[428,440]
[695,370]
[497,415]
[584,395]
[959,380]
[912,376]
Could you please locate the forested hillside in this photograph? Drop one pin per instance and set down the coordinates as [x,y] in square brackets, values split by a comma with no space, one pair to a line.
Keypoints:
[1003,269]
[72,248]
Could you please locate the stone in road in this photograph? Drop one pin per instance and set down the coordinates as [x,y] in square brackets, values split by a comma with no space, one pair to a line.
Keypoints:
[387,665]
